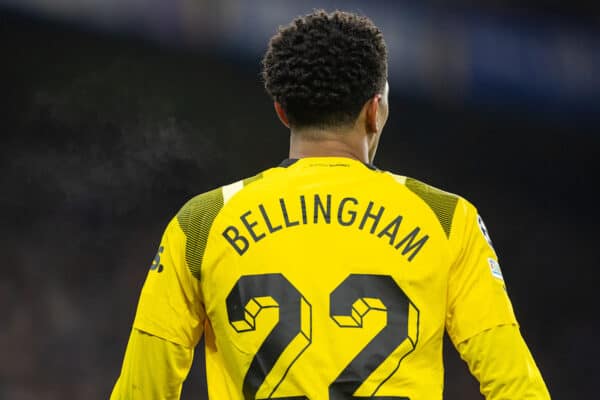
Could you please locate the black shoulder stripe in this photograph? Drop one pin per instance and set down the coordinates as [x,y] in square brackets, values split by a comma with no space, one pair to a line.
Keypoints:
[196,218]
[442,203]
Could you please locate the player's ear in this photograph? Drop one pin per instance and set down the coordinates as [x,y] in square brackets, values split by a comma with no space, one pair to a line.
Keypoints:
[372,110]
[281,114]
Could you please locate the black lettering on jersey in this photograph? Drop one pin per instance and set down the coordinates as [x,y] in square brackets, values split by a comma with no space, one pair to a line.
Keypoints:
[391,229]
[349,303]
[350,299]
[303,207]
[410,246]
[326,211]
[232,235]
[286,218]
[351,213]
[270,227]
[295,323]
[375,217]
[250,227]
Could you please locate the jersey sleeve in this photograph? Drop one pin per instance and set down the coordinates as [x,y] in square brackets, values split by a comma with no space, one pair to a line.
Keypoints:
[170,305]
[153,368]
[503,365]
[477,297]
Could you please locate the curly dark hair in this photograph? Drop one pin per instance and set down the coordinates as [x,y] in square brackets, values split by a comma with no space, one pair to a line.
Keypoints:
[323,67]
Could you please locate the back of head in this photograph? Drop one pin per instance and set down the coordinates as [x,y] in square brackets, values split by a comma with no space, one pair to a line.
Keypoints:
[323,67]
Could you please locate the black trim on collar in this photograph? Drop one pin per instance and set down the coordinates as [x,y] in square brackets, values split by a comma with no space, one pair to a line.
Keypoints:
[289,161]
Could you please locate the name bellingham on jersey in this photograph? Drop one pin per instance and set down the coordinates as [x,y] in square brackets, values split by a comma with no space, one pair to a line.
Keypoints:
[260,221]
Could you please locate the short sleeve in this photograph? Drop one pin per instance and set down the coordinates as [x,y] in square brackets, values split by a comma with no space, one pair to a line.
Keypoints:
[170,304]
[477,297]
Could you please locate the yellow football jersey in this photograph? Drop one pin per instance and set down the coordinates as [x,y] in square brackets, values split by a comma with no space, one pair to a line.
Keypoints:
[324,278]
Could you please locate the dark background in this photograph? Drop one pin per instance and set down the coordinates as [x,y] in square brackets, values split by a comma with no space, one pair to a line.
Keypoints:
[106,135]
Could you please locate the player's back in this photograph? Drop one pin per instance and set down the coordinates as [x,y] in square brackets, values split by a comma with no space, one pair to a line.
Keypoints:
[324,278]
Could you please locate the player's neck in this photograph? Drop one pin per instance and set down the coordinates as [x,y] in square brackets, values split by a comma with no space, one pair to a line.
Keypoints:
[319,144]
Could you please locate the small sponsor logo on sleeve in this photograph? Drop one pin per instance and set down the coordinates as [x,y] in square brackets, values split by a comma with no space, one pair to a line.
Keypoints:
[485,231]
[495,268]
[156,265]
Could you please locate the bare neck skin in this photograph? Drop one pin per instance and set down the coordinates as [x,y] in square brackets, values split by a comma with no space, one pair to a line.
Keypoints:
[326,143]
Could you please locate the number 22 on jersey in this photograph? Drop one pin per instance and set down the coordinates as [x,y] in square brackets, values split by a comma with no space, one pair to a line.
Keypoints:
[350,302]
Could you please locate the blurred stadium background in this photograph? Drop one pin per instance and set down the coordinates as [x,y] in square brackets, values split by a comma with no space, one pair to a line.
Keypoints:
[114,112]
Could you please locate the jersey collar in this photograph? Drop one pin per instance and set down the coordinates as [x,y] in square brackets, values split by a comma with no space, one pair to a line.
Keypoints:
[290,161]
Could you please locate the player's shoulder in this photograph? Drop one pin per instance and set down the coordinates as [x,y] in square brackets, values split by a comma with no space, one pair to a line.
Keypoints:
[419,187]
[205,206]
[198,214]
[445,205]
